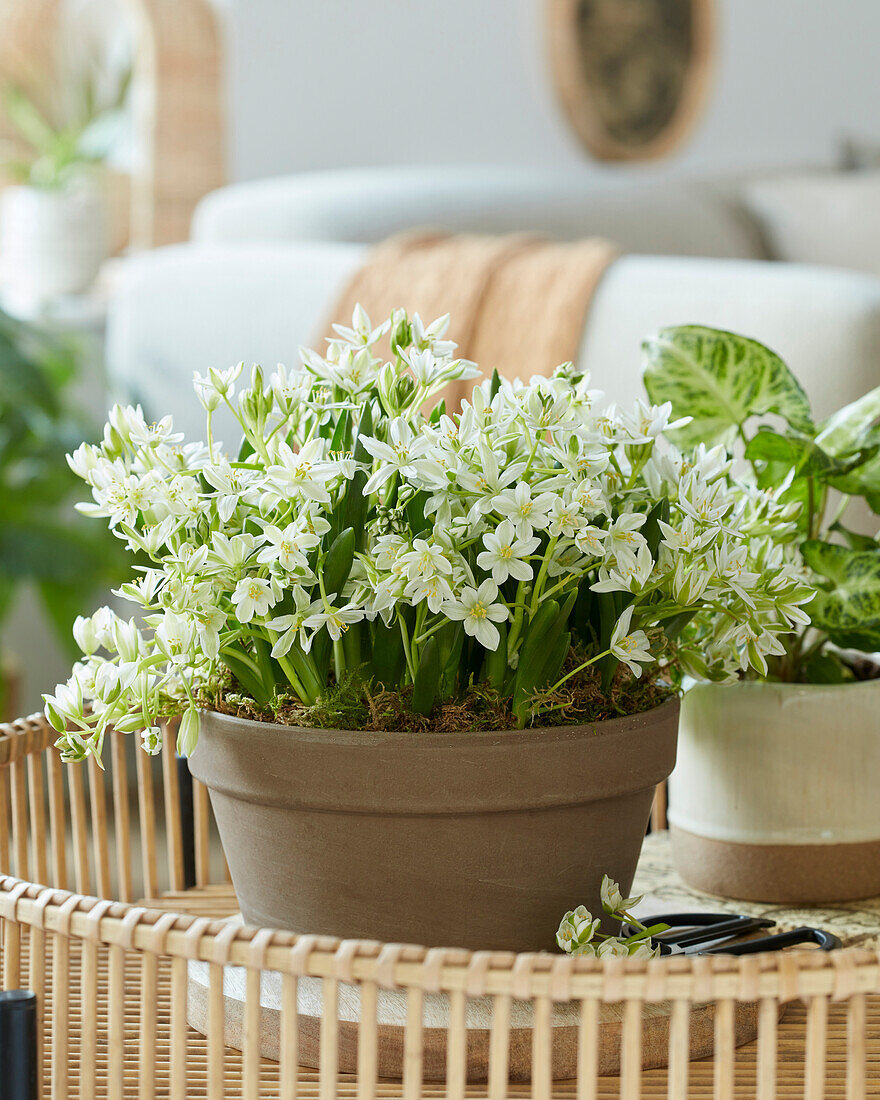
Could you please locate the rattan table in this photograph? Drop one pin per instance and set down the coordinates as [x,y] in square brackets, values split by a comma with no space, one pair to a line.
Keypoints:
[111,972]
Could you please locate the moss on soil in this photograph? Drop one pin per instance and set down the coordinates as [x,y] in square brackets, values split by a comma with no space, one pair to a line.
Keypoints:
[355,705]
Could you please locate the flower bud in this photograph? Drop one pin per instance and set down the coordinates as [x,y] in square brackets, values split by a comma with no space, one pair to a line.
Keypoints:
[188,734]
[85,635]
[401,335]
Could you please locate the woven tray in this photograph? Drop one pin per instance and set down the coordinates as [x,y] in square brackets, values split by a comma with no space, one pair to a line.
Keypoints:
[112,976]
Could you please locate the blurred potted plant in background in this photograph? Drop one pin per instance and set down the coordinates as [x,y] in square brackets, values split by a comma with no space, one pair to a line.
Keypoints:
[774,796]
[43,540]
[54,232]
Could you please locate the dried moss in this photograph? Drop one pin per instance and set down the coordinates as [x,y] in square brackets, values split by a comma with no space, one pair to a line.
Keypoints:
[352,704]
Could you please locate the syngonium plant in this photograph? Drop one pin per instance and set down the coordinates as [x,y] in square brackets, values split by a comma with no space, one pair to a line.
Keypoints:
[510,548]
[742,396]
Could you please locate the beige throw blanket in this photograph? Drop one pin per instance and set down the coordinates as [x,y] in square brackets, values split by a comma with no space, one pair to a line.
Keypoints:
[518,303]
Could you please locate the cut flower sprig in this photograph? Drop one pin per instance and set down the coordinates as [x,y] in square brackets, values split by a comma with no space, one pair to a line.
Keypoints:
[579,931]
[353,534]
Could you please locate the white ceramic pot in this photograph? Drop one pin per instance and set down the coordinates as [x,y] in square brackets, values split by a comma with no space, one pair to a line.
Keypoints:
[775,793]
[52,242]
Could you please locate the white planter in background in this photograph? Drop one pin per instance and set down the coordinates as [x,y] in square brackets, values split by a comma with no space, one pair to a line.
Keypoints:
[776,792]
[52,242]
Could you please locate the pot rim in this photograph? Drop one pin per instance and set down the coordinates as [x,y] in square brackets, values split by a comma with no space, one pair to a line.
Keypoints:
[785,687]
[606,727]
[349,771]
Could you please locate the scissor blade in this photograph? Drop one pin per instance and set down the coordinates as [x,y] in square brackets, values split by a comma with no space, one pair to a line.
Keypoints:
[712,933]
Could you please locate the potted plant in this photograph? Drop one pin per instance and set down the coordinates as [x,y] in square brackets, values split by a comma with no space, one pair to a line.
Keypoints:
[43,542]
[433,657]
[54,232]
[774,797]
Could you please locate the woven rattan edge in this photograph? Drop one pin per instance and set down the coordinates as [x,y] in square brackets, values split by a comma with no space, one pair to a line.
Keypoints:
[807,974]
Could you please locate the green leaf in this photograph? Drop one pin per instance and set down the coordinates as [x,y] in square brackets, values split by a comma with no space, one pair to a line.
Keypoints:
[338,563]
[721,380]
[415,513]
[827,668]
[790,452]
[850,602]
[583,612]
[673,626]
[339,442]
[540,637]
[389,659]
[862,480]
[537,635]
[849,428]
[556,655]
[611,606]
[854,540]
[245,669]
[495,663]
[651,529]
[427,681]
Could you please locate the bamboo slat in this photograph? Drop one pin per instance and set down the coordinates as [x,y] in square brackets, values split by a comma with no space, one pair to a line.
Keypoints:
[19,818]
[100,844]
[147,825]
[173,824]
[78,826]
[37,807]
[121,818]
[57,820]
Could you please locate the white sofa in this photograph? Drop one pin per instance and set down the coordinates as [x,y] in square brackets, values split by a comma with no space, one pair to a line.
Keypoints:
[265,261]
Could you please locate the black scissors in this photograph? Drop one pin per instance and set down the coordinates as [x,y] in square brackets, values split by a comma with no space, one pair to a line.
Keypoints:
[713,933]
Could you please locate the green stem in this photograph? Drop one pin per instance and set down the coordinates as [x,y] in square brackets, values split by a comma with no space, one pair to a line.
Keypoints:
[288,669]
[575,671]
[407,652]
[542,576]
[338,659]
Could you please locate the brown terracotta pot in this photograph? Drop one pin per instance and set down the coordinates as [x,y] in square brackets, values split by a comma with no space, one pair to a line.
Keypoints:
[474,840]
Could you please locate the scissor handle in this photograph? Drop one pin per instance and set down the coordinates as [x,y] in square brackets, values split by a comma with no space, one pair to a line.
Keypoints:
[825,941]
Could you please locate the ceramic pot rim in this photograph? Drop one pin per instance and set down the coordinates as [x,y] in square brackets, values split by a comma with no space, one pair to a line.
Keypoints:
[608,727]
[774,687]
[405,773]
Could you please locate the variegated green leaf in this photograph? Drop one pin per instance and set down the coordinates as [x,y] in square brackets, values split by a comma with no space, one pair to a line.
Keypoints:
[721,380]
[860,481]
[850,428]
[848,602]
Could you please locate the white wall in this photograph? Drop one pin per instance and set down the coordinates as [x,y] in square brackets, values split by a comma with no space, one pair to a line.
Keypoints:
[326,83]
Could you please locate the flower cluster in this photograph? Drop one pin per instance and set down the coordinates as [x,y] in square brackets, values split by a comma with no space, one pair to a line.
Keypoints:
[353,532]
[579,934]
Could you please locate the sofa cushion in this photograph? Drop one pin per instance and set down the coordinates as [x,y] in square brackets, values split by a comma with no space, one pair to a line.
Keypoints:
[366,205]
[820,217]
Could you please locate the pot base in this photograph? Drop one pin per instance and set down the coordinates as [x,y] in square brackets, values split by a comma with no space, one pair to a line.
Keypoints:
[788,874]
[391,1012]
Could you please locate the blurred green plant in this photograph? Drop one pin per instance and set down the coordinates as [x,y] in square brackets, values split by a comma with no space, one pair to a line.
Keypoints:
[43,540]
[57,152]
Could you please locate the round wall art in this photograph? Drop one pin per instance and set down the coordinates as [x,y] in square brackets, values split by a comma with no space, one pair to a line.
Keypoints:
[632,75]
